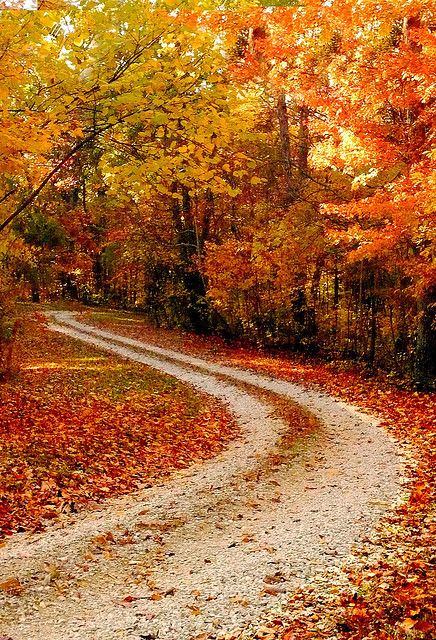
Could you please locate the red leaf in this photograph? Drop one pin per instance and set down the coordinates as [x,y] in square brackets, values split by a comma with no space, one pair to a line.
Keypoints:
[130,599]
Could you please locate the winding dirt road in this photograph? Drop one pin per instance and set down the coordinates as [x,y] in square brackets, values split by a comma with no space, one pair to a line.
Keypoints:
[219,544]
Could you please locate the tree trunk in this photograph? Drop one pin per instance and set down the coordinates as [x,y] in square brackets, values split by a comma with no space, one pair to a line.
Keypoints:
[303,140]
[35,293]
[98,271]
[373,332]
[294,160]
[209,210]
[425,346]
[196,309]
[285,149]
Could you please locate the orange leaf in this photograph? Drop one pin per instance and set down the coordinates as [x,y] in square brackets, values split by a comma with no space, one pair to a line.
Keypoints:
[12,586]
[407,624]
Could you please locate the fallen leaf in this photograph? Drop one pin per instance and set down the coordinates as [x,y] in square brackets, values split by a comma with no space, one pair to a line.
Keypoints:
[100,541]
[52,570]
[423,626]
[12,586]
[274,579]
[194,610]
[130,599]
[272,591]
[248,537]
[407,624]
[49,514]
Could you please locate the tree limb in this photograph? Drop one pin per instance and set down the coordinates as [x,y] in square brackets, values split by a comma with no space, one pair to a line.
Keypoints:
[31,197]
[8,194]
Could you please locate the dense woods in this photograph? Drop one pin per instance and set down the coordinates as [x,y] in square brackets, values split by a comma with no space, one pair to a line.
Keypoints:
[259,172]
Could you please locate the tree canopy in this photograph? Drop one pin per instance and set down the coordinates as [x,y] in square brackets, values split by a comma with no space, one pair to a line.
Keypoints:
[263,170]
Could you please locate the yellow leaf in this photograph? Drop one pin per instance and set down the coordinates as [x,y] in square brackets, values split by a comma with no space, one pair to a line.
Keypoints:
[255,180]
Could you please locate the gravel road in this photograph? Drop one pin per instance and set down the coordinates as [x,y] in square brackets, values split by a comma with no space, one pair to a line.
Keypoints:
[211,550]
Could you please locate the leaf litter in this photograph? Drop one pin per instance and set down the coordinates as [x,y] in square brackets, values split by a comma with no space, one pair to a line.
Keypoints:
[77,427]
[391,587]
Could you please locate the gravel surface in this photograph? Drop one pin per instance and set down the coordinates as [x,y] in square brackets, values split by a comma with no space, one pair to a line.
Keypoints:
[218,545]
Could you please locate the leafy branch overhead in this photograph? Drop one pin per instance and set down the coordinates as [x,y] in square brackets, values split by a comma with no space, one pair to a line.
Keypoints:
[258,169]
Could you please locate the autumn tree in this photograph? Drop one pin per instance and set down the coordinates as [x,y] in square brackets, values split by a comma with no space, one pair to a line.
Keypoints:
[359,76]
[266,172]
